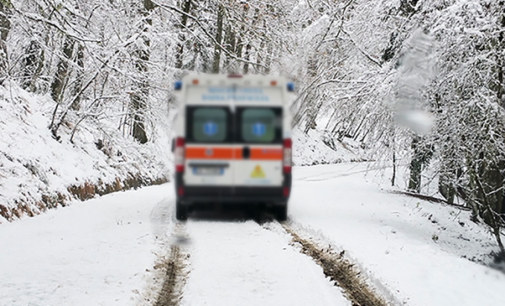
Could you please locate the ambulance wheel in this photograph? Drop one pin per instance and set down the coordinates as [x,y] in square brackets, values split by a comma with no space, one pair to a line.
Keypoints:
[181,211]
[281,212]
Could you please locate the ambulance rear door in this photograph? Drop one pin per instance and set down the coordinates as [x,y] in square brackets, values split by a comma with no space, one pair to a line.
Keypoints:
[258,137]
[209,150]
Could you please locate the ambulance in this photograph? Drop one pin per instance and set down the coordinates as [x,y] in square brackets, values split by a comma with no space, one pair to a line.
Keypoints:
[233,142]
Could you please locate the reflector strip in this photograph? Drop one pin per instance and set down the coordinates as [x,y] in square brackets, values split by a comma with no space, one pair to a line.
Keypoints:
[179,155]
[233,153]
[287,158]
[285,191]
[209,153]
[266,153]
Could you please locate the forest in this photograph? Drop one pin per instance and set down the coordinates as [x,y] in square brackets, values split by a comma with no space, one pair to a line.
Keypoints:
[417,83]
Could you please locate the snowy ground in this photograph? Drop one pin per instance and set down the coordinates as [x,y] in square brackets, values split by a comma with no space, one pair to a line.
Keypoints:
[91,253]
[104,251]
[410,247]
[242,263]
[316,148]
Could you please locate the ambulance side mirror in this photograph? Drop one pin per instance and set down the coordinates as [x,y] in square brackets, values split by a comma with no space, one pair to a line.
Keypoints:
[173,145]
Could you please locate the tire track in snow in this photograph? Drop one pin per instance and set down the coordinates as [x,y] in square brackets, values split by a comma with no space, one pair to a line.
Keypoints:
[340,270]
[171,290]
[334,265]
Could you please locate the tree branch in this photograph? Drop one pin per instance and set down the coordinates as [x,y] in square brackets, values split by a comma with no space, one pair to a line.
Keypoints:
[175,9]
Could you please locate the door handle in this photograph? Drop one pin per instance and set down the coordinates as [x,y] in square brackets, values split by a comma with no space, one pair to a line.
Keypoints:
[246,152]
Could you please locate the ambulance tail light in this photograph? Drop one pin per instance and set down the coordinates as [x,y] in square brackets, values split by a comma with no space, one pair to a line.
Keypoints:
[179,155]
[286,159]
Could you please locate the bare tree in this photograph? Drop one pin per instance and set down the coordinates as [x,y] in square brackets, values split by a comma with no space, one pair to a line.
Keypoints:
[5,27]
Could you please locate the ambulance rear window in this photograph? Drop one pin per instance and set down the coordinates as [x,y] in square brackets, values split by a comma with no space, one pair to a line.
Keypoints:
[260,125]
[208,124]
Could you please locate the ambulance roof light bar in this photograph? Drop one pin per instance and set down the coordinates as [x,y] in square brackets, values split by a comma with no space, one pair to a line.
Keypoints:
[291,87]
[234,76]
[178,85]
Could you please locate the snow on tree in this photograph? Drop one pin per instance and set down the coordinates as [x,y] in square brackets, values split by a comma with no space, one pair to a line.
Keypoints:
[111,64]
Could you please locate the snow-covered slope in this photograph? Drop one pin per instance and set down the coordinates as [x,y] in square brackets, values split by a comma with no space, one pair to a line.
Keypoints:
[420,253]
[315,148]
[38,172]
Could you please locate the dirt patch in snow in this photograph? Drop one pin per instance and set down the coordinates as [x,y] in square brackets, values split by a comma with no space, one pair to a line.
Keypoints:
[28,205]
[171,291]
[340,270]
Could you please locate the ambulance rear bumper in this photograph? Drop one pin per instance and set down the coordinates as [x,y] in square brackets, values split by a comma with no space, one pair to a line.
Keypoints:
[233,194]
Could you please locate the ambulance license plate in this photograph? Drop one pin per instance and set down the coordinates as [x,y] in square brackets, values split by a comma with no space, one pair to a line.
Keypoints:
[207,171]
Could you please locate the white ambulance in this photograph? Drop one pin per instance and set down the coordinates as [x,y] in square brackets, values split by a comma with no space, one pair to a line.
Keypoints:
[233,143]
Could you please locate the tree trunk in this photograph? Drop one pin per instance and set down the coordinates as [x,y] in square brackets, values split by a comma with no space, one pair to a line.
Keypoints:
[268,61]
[488,195]
[59,83]
[420,158]
[76,105]
[219,37]
[446,188]
[246,57]
[229,64]
[259,57]
[179,52]
[449,168]
[60,80]
[408,7]
[140,95]
[500,59]
[32,65]
[485,173]
[5,27]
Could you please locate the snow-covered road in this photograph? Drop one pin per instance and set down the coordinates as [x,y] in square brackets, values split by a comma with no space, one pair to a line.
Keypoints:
[91,253]
[111,250]
[248,264]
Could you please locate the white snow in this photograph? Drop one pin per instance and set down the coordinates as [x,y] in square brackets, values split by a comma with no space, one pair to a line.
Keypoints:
[316,148]
[411,247]
[92,253]
[34,164]
[102,252]
[242,263]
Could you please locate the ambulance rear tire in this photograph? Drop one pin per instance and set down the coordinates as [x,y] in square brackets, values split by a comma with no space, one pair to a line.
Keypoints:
[181,211]
[281,212]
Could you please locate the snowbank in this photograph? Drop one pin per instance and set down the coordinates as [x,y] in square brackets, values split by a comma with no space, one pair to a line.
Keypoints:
[102,252]
[413,251]
[316,148]
[38,172]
